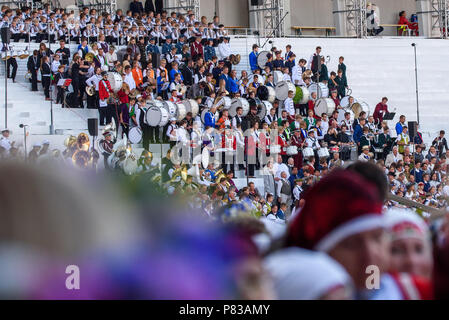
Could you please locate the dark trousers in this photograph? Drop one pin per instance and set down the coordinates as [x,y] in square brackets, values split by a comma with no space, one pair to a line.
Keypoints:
[105,115]
[146,137]
[303,109]
[33,80]
[46,85]
[125,130]
[92,101]
[82,91]
[12,62]
[60,95]
[154,134]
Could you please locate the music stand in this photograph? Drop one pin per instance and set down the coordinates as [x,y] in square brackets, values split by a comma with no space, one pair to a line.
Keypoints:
[389,116]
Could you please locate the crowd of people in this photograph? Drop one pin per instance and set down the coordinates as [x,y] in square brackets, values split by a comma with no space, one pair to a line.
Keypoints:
[299,155]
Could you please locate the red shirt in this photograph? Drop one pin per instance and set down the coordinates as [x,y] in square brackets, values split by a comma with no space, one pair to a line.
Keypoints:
[379,112]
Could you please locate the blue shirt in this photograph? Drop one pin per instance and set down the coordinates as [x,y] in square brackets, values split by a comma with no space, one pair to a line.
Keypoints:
[152,48]
[418,174]
[280,214]
[398,128]
[209,120]
[172,74]
[232,85]
[253,60]
[166,48]
[160,82]
[358,132]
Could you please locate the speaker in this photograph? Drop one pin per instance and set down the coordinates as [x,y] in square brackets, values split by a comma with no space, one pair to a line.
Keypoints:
[92,125]
[256,2]
[412,128]
[6,35]
[156,60]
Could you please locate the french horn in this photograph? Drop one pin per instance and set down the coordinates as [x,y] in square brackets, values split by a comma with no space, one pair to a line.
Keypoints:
[89,57]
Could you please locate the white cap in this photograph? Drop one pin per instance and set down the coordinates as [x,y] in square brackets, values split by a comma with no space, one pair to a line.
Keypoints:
[173,119]
[45,142]
[5,129]
[301,274]
[36,144]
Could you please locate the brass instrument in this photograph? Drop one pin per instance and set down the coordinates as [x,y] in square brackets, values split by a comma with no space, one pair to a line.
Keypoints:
[235,59]
[89,57]
[90,90]
[6,55]
[83,142]
[307,74]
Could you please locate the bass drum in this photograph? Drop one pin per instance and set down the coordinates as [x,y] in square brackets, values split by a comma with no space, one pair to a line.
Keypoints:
[344,102]
[225,102]
[341,115]
[170,107]
[115,80]
[135,135]
[156,117]
[239,102]
[324,105]
[266,93]
[278,76]
[322,93]
[154,103]
[358,107]
[282,89]
[263,109]
[262,59]
[259,79]
[191,106]
[301,96]
[182,111]
[206,110]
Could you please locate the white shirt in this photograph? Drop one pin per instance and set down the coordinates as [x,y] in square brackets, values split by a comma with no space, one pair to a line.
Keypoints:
[289,106]
[224,50]
[297,192]
[297,76]
[281,167]
[94,80]
[5,143]
[129,80]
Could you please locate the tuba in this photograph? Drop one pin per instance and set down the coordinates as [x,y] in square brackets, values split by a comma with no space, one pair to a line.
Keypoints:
[235,59]
[181,88]
[89,57]
[307,74]
[90,90]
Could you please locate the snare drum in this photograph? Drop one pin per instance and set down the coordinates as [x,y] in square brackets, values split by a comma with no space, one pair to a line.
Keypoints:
[277,76]
[170,107]
[115,80]
[308,152]
[292,150]
[263,109]
[322,93]
[323,153]
[239,102]
[282,89]
[191,106]
[135,135]
[275,148]
[156,117]
[324,105]
[378,150]
[182,111]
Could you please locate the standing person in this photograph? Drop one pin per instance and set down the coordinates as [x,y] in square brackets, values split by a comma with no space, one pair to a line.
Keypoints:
[108,147]
[342,67]
[440,143]
[93,81]
[63,52]
[104,90]
[253,58]
[33,66]
[341,84]
[380,111]
[136,7]
[60,87]
[196,49]
[149,6]
[46,75]
[314,63]
[400,125]
[11,63]
[159,5]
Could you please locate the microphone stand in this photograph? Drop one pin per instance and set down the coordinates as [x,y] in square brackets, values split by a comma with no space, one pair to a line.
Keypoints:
[270,35]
